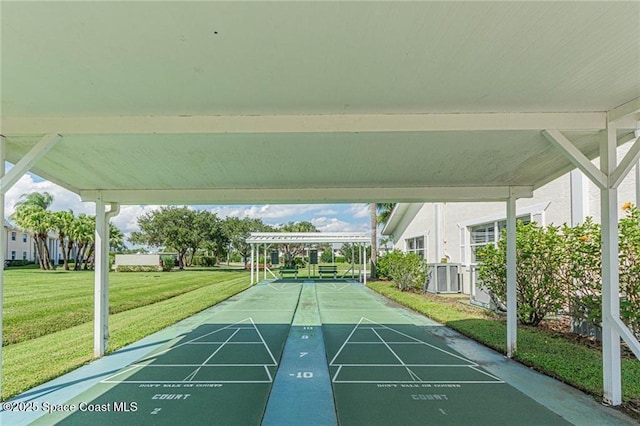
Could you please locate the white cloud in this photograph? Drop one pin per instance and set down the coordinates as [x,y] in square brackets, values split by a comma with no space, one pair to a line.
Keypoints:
[127,219]
[269,211]
[333,224]
[359,211]
[323,216]
[62,198]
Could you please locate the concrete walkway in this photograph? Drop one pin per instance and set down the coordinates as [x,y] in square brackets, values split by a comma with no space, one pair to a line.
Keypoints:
[322,353]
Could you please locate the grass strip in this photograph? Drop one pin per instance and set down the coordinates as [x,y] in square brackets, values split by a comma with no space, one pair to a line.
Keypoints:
[36,361]
[37,303]
[575,364]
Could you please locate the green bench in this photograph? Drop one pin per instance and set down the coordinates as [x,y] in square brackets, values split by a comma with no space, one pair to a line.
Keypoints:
[331,269]
[285,271]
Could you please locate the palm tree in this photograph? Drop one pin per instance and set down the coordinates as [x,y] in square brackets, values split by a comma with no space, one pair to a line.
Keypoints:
[380,214]
[63,224]
[384,212]
[82,234]
[32,215]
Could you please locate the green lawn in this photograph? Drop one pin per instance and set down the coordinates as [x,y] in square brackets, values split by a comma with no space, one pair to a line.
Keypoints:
[37,303]
[572,363]
[62,304]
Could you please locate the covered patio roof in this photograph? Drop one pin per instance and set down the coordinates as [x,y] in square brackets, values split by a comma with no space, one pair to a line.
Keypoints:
[307,237]
[281,102]
[201,102]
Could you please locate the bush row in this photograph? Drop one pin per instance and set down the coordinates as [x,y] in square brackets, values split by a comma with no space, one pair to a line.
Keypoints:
[559,269]
[138,268]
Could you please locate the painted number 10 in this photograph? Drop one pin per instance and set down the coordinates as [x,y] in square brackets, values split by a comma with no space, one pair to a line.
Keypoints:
[304,375]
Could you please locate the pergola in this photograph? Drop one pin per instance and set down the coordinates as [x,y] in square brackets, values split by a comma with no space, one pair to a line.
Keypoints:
[233,102]
[266,239]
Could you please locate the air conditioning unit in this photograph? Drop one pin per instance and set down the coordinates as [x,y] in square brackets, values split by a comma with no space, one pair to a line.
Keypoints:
[444,278]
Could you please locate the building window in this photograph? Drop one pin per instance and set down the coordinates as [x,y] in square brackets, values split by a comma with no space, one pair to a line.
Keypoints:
[488,233]
[24,238]
[13,255]
[13,236]
[24,255]
[417,245]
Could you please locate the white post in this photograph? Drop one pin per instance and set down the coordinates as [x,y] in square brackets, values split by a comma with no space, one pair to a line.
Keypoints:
[364,254]
[512,318]
[610,274]
[438,231]
[3,237]
[265,262]
[101,281]
[251,264]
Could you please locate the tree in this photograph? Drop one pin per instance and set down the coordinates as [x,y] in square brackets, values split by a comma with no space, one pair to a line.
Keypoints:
[169,227]
[83,236]
[63,225]
[32,215]
[237,231]
[380,214]
[116,238]
[384,212]
[292,250]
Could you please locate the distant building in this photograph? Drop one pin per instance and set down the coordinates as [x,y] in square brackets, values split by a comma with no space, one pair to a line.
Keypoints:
[20,245]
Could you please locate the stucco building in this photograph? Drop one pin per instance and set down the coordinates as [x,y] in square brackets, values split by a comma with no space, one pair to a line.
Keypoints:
[452,232]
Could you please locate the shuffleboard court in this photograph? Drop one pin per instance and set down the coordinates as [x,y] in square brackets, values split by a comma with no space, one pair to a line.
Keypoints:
[386,370]
[219,373]
[313,353]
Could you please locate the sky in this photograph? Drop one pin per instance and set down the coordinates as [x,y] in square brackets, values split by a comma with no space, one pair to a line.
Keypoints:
[325,217]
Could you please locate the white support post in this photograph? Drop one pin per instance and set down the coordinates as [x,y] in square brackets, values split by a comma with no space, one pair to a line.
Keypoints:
[512,318]
[265,262]
[610,274]
[101,281]
[364,254]
[3,236]
[28,161]
[631,158]
[251,264]
[576,157]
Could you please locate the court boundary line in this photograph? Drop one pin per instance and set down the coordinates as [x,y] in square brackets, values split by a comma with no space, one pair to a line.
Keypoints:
[373,326]
[237,326]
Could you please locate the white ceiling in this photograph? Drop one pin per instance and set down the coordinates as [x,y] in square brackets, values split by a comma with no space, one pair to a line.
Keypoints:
[231,102]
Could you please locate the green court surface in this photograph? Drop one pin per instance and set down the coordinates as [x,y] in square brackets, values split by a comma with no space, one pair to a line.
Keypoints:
[219,373]
[313,353]
[385,370]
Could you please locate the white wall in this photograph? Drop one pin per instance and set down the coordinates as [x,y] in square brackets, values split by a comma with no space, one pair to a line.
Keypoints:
[551,204]
[137,259]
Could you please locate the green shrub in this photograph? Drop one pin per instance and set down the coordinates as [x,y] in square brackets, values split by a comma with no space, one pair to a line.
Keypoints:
[138,268]
[629,242]
[407,270]
[207,261]
[560,268]
[539,259]
[382,267]
[17,262]
[581,276]
[168,263]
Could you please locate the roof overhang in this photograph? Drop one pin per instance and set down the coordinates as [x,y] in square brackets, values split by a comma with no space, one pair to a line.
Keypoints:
[307,237]
[277,102]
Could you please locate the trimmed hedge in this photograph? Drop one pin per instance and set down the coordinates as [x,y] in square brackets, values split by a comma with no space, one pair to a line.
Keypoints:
[138,268]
